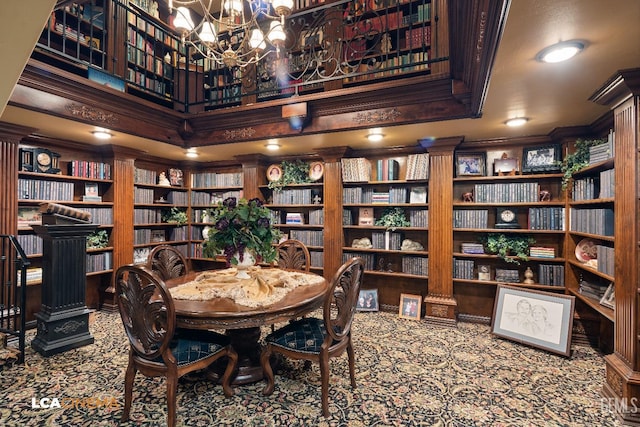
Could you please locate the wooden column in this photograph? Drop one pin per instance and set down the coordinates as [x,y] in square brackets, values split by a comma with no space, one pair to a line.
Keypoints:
[440,305]
[122,234]
[10,137]
[253,171]
[332,201]
[622,94]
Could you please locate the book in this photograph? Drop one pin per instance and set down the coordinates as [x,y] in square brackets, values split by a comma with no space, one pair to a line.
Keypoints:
[294,218]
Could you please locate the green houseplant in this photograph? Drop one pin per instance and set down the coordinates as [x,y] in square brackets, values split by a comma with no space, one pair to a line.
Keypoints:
[174,216]
[393,218]
[296,172]
[98,239]
[509,247]
[578,159]
[239,226]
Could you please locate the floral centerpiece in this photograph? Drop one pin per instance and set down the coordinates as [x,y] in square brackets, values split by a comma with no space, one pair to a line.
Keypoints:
[240,227]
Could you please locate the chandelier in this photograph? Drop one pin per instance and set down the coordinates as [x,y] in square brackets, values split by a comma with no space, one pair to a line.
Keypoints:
[233,33]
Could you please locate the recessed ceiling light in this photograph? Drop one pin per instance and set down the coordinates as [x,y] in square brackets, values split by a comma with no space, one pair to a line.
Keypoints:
[272,145]
[191,152]
[517,121]
[102,134]
[375,137]
[560,51]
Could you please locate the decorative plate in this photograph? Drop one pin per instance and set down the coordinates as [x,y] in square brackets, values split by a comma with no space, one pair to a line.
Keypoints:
[586,250]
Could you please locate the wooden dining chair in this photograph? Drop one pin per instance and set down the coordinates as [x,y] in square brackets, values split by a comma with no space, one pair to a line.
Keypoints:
[318,340]
[294,255]
[167,262]
[156,349]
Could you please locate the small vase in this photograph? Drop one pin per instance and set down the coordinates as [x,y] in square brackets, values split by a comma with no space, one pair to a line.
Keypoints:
[248,260]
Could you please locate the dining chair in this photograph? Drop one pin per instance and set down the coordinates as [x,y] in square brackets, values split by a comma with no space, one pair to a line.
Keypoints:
[167,262]
[294,255]
[318,340]
[156,348]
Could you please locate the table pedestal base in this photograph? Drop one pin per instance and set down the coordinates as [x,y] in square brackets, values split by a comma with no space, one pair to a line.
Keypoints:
[246,343]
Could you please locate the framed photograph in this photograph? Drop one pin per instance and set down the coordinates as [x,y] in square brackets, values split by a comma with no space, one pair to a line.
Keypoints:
[507,166]
[91,189]
[157,236]
[367,300]
[274,173]
[484,272]
[609,297]
[316,170]
[542,159]
[536,318]
[410,306]
[175,177]
[471,164]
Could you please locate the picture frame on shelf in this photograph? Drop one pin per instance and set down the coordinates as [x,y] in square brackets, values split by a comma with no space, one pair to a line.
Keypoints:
[367,300]
[539,319]
[471,164]
[157,236]
[506,166]
[542,159]
[410,306]
[176,177]
[609,297]
[274,173]
[484,272]
[316,170]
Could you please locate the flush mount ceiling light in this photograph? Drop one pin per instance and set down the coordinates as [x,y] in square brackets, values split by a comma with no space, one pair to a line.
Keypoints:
[272,145]
[517,121]
[560,51]
[192,153]
[375,137]
[102,134]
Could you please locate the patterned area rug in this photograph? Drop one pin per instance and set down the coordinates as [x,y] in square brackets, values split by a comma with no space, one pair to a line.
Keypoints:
[408,373]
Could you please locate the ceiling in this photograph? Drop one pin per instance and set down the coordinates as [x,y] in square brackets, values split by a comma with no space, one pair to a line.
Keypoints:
[550,95]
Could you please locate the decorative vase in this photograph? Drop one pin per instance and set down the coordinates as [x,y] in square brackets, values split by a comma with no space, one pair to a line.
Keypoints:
[243,266]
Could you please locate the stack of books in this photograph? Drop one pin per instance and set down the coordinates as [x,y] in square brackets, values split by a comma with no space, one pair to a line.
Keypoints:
[511,276]
[380,198]
[356,170]
[472,248]
[602,152]
[34,275]
[418,166]
[542,252]
[592,290]
[294,218]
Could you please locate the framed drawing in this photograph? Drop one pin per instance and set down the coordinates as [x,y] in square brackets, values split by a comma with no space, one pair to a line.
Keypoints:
[367,300]
[542,159]
[506,166]
[410,306]
[539,319]
[471,164]
[609,297]
[316,169]
[274,173]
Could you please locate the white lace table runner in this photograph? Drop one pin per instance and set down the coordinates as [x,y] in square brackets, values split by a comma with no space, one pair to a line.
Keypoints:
[265,287]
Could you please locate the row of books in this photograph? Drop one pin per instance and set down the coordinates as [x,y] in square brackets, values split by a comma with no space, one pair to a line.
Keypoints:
[551,274]
[316,259]
[34,276]
[463,268]
[386,240]
[419,218]
[507,192]
[87,169]
[158,86]
[102,216]
[542,252]
[99,262]
[367,258]
[36,189]
[410,62]
[606,260]
[147,216]
[355,169]
[308,237]
[157,33]
[387,169]
[394,195]
[589,188]
[143,195]
[294,196]
[213,179]
[31,244]
[592,290]
[470,218]
[417,166]
[144,176]
[417,265]
[602,152]
[177,198]
[547,218]
[472,248]
[592,220]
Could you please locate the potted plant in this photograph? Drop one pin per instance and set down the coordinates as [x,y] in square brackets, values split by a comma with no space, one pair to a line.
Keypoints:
[578,159]
[174,216]
[393,218]
[296,172]
[509,247]
[242,229]
[98,239]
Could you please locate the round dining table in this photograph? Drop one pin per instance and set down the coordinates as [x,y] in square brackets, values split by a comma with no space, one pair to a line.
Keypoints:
[242,324]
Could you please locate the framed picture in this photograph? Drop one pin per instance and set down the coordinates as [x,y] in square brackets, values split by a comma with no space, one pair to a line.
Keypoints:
[506,166]
[157,236]
[609,297]
[175,177]
[367,300]
[91,189]
[471,164]
[274,173]
[539,319]
[316,169]
[410,306]
[542,159]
